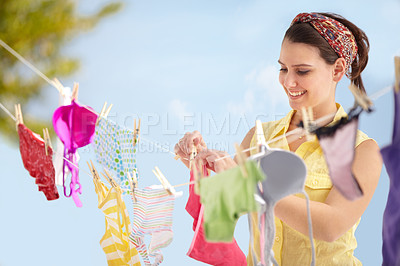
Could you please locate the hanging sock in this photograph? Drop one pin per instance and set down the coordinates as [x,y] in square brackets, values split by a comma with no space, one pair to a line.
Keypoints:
[152,212]
[338,143]
[281,182]
[391,216]
[115,243]
[75,126]
[114,148]
[39,165]
[219,254]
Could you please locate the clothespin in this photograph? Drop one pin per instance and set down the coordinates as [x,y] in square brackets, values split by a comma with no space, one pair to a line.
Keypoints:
[397,73]
[241,158]
[75,91]
[192,156]
[110,179]
[308,121]
[104,113]
[92,169]
[197,174]
[260,138]
[18,115]
[361,98]
[132,184]
[47,140]
[59,86]
[136,132]
[164,181]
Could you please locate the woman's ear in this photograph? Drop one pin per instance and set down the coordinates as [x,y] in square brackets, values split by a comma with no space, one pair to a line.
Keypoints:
[339,69]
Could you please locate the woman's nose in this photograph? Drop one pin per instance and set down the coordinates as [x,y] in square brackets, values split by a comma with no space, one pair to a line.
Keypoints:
[290,80]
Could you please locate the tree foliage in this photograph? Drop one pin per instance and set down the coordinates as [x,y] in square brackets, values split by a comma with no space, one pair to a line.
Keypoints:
[38,30]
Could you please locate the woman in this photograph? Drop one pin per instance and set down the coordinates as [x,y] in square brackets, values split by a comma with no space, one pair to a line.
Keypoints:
[317,51]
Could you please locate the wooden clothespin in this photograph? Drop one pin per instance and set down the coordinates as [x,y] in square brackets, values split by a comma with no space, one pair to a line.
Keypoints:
[136,132]
[260,138]
[308,121]
[164,181]
[133,185]
[92,169]
[47,140]
[110,179]
[104,113]
[241,158]
[397,73]
[361,98]
[18,115]
[192,156]
[197,174]
[59,86]
[75,91]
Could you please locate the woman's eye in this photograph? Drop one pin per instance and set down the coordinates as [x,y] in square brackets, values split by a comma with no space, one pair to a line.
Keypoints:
[303,72]
[283,70]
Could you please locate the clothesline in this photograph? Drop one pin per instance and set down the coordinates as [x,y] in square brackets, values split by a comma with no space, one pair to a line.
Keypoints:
[374,96]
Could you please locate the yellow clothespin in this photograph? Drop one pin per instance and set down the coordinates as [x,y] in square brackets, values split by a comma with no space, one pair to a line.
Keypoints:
[92,169]
[132,184]
[110,179]
[47,140]
[192,156]
[136,132]
[241,158]
[75,91]
[308,121]
[164,181]
[361,98]
[104,113]
[397,73]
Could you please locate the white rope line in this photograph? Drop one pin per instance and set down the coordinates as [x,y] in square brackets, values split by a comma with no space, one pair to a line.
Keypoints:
[7,112]
[26,62]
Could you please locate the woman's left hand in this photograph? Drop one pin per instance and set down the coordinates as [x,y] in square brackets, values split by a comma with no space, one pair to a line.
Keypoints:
[212,160]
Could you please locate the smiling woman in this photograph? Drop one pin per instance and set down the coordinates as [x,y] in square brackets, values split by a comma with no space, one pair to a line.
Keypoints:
[317,51]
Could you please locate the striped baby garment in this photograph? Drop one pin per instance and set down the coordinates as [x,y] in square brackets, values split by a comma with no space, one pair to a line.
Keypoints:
[115,243]
[152,214]
[114,149]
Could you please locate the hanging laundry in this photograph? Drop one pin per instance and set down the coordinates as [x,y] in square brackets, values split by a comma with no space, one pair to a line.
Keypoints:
[285,175]
[219,254]
[114,149]
[152,212]
[115,243]
[75,126]
[225,197]
[39,165]
[338,143]
[58,160]
[391,216]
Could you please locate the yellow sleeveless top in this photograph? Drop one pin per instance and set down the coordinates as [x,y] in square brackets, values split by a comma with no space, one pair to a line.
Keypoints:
[290,246]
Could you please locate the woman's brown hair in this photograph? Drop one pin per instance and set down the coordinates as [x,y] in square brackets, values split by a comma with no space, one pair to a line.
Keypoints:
[305,33]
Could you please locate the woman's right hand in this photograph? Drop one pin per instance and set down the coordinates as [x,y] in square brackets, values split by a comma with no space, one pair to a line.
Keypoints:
[184,147]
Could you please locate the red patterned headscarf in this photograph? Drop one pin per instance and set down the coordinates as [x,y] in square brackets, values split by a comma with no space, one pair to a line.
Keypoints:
[335,33]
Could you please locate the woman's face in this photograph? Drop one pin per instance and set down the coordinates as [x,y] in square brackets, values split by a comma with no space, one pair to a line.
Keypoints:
[307,80]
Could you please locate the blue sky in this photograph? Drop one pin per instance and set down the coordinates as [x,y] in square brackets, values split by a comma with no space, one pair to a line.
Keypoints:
[182,66]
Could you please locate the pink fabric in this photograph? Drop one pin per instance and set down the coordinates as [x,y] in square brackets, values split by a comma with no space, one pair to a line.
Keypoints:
[75,126]
[219,254]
